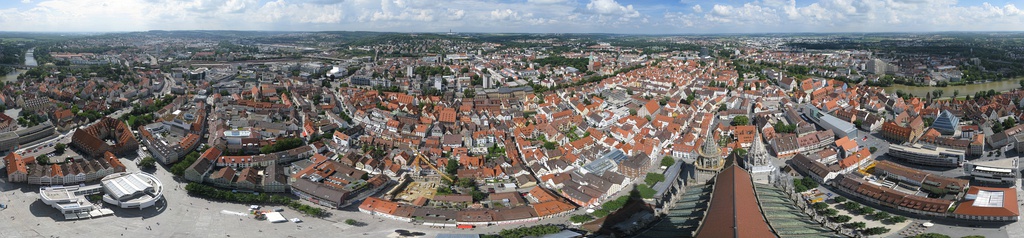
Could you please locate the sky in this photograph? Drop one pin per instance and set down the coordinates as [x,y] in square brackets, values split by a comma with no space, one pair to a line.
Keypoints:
[515,16]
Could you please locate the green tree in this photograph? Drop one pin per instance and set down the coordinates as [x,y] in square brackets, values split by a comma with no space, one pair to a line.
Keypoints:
[866,211]
[872,149]
[1009,122]
[667,161]
[997,127]
[829,212]
[469,93]
[880,215]
[534,231]
[876,231]
[856,225]
[351,222]
[466,183]
[689,99]
[931,235]
[956,92]
[645,191]
[841,219]
[838,199]
[452,167]
[59,148]
[148,163]
[896,219]
[42,159]
[819,206]
[740,121]
[632,112]
[282,145]
[180,167]
[580,218]
[653,178]
[851,206]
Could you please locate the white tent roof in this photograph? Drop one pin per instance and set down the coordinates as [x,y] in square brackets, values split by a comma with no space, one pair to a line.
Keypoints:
[275,217]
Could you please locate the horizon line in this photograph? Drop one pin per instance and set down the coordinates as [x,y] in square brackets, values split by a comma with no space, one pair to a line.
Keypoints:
[538,33]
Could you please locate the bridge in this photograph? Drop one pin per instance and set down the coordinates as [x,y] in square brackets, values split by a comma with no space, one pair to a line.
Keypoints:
[19,66]
[323,58]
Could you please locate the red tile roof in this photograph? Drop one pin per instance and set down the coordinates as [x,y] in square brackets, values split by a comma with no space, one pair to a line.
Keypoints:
[733,211]
[1009,206]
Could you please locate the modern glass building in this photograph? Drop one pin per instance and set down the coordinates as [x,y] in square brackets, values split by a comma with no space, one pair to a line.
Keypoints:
[946,123]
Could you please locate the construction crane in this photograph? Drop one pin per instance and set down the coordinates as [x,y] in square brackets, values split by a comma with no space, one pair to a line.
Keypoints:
[419,157]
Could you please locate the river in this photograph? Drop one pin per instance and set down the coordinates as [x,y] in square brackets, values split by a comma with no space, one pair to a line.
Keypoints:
[968,89]
[30,60]
[13,76]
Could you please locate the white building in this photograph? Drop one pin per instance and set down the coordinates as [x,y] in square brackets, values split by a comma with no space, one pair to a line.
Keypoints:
[71,201]
[1004,171]
[132,189]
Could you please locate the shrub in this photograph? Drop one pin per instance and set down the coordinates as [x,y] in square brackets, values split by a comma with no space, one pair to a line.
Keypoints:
[580,218]
[839,199]
[351,222]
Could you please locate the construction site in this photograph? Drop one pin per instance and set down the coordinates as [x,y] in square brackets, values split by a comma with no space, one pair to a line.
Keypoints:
[421,185]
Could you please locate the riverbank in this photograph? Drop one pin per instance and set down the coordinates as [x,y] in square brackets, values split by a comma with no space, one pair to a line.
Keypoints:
[967,89]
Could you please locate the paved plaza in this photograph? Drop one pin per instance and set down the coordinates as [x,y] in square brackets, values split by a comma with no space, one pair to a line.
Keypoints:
[180,215]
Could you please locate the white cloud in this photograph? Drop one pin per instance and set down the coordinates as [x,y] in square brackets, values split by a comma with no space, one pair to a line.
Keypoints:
[508,15]
[546,1]
[849,15]
[685,16]
[456,14]
[611,7]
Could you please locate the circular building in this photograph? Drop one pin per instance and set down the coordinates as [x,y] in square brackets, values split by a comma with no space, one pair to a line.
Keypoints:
[132,189]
